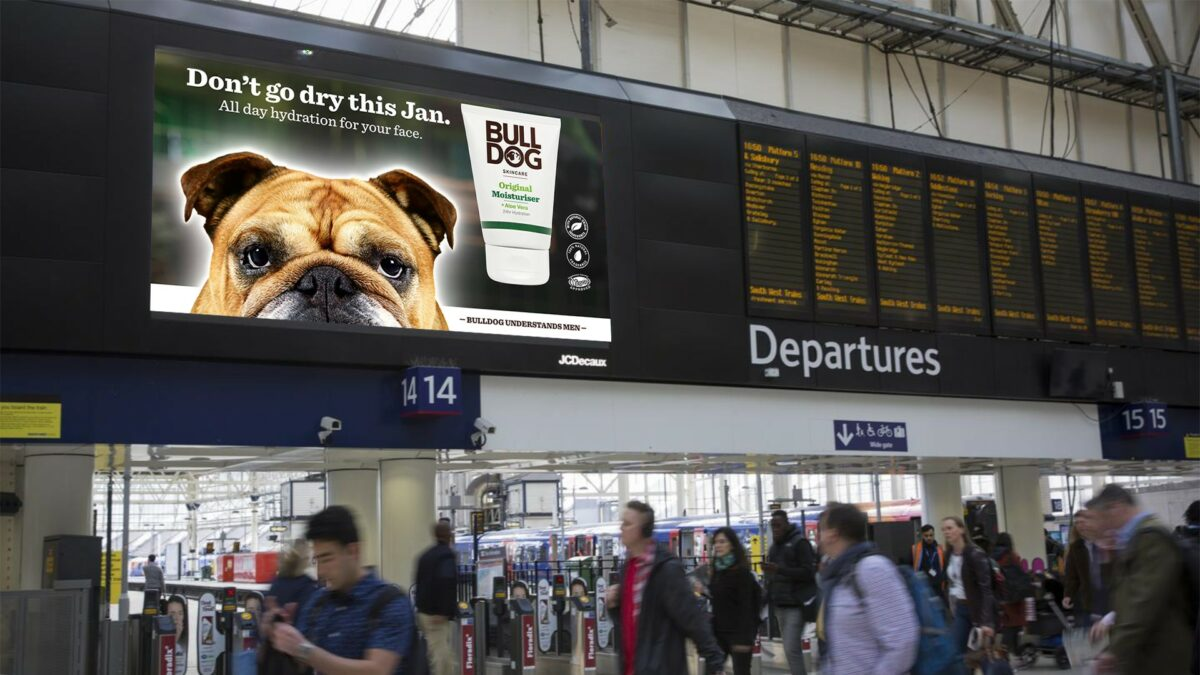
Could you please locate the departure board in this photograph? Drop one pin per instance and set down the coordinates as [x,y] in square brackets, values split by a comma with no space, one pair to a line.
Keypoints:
[1007,213]
[1187,235]
[1106,221]
[1060,246]
[777,274]
[959,275]
[901,252]
[841,274]
[1154,262]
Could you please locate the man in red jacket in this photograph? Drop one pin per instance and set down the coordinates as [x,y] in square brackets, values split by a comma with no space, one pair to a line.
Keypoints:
[653,608]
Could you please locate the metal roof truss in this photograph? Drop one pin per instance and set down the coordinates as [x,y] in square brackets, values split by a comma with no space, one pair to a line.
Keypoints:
[896,28]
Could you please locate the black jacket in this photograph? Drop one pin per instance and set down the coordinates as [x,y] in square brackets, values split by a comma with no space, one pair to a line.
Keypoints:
[795,581]
[977,583]
[437,582]
[735,616]
[670,613]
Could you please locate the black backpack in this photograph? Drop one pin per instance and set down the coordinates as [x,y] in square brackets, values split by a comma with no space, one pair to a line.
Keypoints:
[1018,584]
[416,661]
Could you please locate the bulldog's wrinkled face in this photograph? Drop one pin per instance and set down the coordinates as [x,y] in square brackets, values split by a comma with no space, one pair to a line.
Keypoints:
[290,245]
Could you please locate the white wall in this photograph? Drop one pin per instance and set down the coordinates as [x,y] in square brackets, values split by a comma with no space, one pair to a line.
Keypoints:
[596,416]
[673,43]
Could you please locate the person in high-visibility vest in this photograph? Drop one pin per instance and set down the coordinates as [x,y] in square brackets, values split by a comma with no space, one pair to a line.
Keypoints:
[930,558]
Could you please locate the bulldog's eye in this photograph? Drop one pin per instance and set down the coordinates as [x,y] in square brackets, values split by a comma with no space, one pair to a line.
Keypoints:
[256,256]
[391,267]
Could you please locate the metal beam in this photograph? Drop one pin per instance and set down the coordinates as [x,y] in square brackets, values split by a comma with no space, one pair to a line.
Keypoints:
[1145,28]
[1006,16]
[1174,132]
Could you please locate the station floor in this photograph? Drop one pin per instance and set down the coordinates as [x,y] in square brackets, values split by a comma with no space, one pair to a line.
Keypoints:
[1045,666]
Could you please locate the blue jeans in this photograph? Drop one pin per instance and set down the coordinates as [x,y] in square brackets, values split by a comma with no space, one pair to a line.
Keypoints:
[962,625]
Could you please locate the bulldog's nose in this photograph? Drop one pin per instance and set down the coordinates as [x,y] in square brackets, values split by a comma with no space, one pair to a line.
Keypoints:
[326,284]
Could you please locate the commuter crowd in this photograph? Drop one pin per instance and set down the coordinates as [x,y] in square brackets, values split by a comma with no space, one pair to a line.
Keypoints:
[969,603]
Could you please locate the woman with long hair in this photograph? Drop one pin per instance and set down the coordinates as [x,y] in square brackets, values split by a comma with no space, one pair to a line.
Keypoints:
[1012,614]
[735,614]
[969,583]
[178,611]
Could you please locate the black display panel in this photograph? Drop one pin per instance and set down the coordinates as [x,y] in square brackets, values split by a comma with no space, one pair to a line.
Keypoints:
[1008,211]
[1187,236]
[1110,265]
[958,263]
[772,164]
[842,272]
[1154,262]
[898,202]
[1060,248]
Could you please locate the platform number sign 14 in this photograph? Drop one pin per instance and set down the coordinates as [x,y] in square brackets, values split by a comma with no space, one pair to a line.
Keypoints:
[431,391]
[1144,418]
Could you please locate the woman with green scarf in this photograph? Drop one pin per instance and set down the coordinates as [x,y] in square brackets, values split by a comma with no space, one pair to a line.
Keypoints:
[736,599]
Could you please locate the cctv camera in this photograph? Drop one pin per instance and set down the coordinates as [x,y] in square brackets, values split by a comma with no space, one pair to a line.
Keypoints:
[328,426]
[478,439]
[484,426]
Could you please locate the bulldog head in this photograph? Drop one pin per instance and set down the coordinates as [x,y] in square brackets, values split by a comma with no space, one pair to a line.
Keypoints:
[290,245]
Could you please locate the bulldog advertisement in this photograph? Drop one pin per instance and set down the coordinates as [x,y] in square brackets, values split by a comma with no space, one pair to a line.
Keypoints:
[283,193]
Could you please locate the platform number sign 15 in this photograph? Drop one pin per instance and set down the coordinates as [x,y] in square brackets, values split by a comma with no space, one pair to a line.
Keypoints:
[431,391]
[1144,418]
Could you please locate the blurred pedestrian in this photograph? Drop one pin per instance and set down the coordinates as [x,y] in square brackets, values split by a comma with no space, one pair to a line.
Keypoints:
[736,599]
[1087,569]
[969,584]
[653,607]
[1189,543]
[930,558]
[1148,626]
[292,586]
[791,569]
[868,621]
[437,597]
[153,574]
[356,623]
[1017,587]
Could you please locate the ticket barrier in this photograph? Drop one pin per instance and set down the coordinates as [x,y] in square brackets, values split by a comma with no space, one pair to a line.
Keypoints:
[498,621]
[470,657]
[522,643]
[561,640]
[141,633]
[583,647]
[244,657]
[162,646]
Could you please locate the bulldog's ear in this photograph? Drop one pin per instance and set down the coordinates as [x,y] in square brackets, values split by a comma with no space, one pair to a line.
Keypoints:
[206,186]
[435,215]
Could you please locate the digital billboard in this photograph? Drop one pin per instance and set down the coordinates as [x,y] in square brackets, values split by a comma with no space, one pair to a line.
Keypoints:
[286,194]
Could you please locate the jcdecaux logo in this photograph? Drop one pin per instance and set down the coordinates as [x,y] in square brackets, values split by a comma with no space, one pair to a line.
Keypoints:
[767,349]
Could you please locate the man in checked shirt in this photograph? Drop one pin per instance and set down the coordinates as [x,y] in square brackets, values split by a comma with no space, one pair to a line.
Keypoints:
[868,620]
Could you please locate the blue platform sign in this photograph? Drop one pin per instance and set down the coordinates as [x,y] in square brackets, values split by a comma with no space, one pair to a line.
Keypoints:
[1149,430]
[870,436]
[431,391]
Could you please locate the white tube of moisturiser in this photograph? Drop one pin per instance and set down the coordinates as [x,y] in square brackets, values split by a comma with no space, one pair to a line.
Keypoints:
[514,161]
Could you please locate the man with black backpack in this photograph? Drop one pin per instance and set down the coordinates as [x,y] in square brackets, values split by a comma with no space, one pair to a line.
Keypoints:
[791,586]
[1149,627]
[357,624]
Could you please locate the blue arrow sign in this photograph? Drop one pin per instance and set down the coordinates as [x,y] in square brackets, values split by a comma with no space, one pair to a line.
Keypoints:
[870,436]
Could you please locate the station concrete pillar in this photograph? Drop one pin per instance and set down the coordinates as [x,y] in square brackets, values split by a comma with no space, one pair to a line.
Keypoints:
[358,490]
[407,512]
[941,493]
[622,492]
[781,484]
[57,496]
[1019,509]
